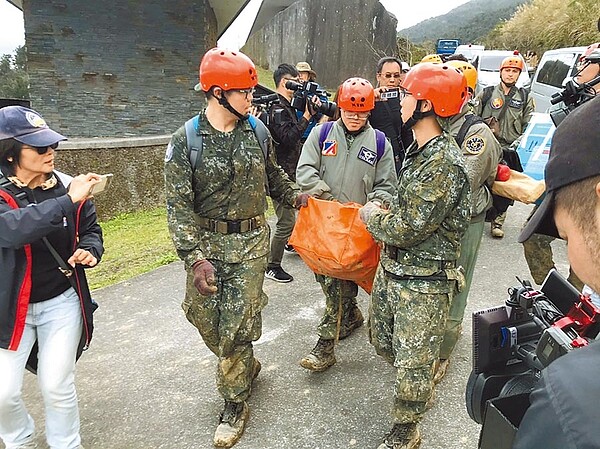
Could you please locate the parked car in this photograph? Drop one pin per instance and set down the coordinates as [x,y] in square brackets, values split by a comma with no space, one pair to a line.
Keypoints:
[488,64]
[469,51]
[555,68]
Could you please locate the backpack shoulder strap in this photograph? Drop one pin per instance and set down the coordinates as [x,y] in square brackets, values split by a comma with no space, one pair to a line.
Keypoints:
[524,94]
[10,192]
[470,120]
[262,134]
[487,94]
[324,132]
[380,141]
[194,141]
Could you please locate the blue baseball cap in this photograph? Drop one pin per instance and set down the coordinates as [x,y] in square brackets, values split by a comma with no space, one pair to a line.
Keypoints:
[26,126]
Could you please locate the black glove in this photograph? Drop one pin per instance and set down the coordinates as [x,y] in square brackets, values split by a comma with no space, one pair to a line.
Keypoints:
[301,200]
[204,277]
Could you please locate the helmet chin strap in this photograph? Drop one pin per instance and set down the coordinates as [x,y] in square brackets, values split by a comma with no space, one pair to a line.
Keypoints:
[418,115]
[223,102]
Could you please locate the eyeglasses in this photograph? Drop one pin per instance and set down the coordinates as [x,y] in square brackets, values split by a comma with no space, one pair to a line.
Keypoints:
[356,115]
[391,75]
[44,150]
[296,79]
[246,92]
[403,93]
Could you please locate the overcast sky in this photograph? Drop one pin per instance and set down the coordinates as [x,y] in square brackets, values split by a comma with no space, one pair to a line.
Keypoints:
[12,34]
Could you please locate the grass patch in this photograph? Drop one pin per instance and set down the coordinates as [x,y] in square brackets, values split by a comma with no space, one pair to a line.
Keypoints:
[134,243]
[265,77]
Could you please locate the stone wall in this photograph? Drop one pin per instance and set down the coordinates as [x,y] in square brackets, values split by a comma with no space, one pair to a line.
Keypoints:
[339,38]
[116,67]
[136,163]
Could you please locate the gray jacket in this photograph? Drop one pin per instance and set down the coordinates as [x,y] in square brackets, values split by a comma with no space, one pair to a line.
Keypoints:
[346,169]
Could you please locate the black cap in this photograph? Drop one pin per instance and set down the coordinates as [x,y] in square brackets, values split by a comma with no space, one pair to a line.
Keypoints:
[574,156]
[27,126]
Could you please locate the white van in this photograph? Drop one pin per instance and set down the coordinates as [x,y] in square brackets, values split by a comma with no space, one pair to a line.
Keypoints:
[555,68]
[488,64]
[469,51]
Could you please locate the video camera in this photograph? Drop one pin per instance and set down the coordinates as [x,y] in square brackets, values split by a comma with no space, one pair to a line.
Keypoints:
[514,342]
[306,91]
[263,99]
[574,94]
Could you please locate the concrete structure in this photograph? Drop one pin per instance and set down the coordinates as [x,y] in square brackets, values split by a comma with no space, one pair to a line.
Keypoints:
[127,69]
[135,162]
[339,38]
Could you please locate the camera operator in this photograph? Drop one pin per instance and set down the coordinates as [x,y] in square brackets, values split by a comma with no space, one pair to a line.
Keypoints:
[581,88]
[306,73]
[287,131]
[563,411]
[386,116]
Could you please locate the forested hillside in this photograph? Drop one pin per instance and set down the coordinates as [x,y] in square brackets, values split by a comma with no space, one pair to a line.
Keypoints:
[470,22]
[546,24]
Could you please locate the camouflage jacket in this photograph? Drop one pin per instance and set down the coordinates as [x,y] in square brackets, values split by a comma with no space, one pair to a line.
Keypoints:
[481,152]
[430,212]
[229,184]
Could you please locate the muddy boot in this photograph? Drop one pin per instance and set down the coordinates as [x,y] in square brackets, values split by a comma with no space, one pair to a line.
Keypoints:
[402,436]
[321,357]
[497,224]
[231,424]
[352,321]
[256,367]
[441,367]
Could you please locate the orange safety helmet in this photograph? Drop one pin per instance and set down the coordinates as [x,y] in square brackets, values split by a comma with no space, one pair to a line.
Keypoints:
[436,59]
[468,71]
[588,51]
[516,62]
[226,69]
[356,95]
[443,85]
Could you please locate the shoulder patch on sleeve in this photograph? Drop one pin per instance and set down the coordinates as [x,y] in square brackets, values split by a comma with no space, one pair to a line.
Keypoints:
[474,145]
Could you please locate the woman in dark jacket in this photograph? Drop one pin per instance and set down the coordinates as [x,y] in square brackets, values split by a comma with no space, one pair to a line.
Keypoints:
[45,303]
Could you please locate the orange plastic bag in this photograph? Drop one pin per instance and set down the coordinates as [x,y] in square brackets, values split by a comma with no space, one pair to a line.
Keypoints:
[332,240]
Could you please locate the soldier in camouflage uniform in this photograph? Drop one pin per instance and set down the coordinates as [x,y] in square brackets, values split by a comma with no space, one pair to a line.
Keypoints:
[216,219]
[508,110]
[418,276]
[345,165]
[481,152]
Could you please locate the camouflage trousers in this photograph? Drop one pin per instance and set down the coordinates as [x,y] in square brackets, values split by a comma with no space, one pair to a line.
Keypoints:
[469,248]
[407,319]
[229,321]
[539,257]
[338,293]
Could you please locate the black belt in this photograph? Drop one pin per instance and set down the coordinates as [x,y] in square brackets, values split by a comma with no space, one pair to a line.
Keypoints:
[392,253]
[231,226]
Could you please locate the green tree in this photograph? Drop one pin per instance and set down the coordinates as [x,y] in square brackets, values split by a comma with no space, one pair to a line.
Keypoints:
[14,82]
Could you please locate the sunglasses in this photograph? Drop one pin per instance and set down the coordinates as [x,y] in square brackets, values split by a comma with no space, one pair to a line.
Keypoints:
[391,75]
[44,150]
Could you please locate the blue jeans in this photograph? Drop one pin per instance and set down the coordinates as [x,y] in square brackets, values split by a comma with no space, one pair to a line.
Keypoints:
[56,324]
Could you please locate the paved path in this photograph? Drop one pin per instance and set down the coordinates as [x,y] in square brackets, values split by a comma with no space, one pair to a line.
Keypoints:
[147,381]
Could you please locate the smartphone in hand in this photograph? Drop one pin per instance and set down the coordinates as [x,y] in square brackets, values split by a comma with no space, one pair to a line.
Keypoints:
[102,185]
